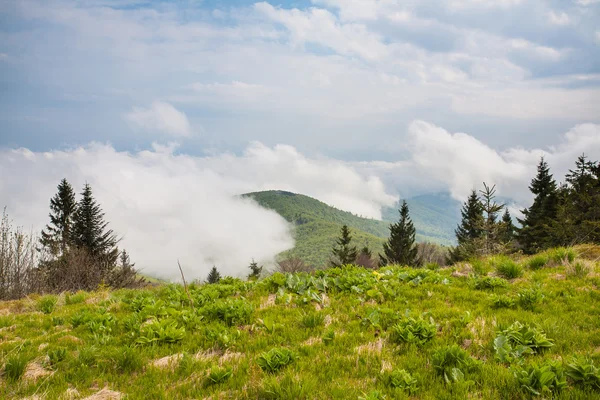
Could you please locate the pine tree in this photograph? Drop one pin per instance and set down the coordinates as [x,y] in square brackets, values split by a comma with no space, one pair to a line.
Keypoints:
[213,276]
[536,232]
[255,270]
[57,235]
[507,228]
[90,230]
[342,251]
[400,247]
[469,229]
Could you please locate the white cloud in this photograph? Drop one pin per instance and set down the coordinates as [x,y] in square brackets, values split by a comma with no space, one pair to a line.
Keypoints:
[322,27]
[559,18]
[162,117]
[170,207]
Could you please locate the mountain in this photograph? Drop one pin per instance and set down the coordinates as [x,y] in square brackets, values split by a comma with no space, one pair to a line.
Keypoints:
[317,225]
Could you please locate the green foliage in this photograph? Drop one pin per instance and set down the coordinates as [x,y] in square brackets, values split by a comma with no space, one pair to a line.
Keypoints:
[218,375]
[583,372]
[165,331]
[537,261]
[519,339]
[562,255]
[529,298]
[76,298]
[231,312]
[373,395]
[88,356]
[14,368]
[286,388]
[541,380]
[503,301]
[507,268]
[411,330]
[128,360]
[400,379]
[56,237]
[313,320]
[328,337]
[47,304]
[452,363]
[489,283]
[255,270]
[469,229]
[276,359]
[57,355]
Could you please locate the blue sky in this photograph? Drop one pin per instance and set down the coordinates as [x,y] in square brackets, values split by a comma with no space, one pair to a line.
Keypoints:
[340,78]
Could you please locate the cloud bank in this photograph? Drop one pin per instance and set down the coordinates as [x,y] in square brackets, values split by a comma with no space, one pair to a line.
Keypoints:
[161,117]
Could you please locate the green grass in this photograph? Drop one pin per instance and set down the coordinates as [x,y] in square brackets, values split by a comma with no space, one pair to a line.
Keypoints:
[343,333]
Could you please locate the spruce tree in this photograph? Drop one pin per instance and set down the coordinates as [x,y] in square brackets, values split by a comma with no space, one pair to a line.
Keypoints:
[536,232]
[255,270]
[90,230]
[56,237]
[400,247]
[213,276]
[490,241]
[344,253]
[469,229]
[507,228]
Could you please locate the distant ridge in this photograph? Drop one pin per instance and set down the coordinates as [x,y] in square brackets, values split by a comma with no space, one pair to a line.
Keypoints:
[317,225]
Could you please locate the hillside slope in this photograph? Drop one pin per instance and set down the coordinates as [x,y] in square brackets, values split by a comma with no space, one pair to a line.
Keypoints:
[317,225]
[351,333]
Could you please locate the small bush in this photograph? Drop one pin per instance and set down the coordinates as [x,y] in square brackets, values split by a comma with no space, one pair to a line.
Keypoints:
[76,298]
[231,312]
[562,255]
[507,268]
[411,330]
[490,283]
[517,340]
[313,320]
[218,375]
[584,373]
[47,304]
[541,380]
[503,301]
[57,355]
[528,298]
[165,331]
[537,262]
[275,359]
[452,362]
[400,379]
[14,368]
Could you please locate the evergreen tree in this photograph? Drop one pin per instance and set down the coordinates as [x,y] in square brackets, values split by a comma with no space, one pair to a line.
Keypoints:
[90,231]
[124,275]
[213,276]
[490,240]
[255,270]
[507,229]
[400,247]
[469,229]
[536,232]
[578,219]
[57,235]
[342,251]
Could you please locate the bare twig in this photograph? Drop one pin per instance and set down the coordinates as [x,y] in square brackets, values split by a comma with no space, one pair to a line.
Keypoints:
[185,287]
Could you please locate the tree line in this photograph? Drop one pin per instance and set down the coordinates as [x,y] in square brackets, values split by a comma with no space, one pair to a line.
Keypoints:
[76,250]
[561,215]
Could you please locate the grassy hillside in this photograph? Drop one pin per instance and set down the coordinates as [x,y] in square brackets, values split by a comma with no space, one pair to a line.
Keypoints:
[317,225]
[351,333]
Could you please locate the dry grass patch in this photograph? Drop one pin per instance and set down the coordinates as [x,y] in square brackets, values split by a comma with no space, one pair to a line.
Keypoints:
[167,362]
[35,371]
[370,348]
[311,341]
[268,302]
[230,356]
[105,394]
[207,355]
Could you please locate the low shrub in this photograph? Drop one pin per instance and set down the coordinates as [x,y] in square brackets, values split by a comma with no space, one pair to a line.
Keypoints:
[218,375]
[507,268]
[537,262]
[275,359]
[529,298]
[503,301]
[76,298]
[47,304]
[452,362]
[411,330]
[14,368]
[519,339]
[541,380]
[400,379]
[584,373]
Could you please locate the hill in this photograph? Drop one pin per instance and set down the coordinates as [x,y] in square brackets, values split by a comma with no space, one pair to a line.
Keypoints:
[343,333]
[317,225]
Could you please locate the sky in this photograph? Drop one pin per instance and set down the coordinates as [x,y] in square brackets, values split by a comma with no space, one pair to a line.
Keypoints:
[171,108]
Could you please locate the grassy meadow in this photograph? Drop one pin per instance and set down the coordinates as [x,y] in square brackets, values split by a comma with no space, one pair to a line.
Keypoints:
[494,328]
